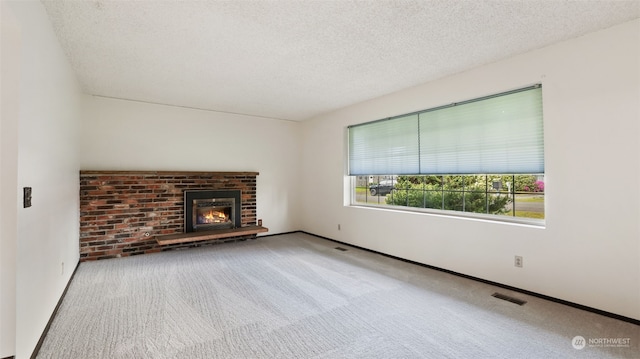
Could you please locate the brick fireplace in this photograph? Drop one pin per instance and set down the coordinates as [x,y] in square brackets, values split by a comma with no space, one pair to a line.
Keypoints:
[124,213]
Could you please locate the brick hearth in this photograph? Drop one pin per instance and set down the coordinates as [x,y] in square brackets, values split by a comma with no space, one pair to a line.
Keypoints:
[122,212]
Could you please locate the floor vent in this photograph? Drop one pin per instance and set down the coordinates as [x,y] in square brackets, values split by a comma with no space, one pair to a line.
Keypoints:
[508,298]
[341,249]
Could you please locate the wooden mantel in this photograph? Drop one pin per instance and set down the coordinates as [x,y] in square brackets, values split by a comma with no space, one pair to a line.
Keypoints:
[207,235]
[165,173]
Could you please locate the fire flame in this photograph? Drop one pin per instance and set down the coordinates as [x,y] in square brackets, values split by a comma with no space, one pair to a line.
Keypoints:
[214,217]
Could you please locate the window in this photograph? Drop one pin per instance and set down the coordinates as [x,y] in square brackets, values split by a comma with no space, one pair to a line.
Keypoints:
[519,196]
[484,156]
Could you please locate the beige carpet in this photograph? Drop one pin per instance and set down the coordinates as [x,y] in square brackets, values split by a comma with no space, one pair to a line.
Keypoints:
[295,296]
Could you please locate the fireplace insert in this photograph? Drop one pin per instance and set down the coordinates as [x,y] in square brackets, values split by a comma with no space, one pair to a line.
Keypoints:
[209,210]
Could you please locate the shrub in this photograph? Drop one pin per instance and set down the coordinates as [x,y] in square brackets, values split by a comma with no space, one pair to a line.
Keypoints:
[472,199]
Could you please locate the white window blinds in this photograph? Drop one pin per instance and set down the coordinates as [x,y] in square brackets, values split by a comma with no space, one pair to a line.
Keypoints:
[496,134]
[385,147]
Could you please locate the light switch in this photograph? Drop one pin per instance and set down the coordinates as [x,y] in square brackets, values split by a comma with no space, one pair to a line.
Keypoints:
[27,197]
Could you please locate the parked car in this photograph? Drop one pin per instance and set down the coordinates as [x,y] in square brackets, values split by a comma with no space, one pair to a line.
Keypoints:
[381,189]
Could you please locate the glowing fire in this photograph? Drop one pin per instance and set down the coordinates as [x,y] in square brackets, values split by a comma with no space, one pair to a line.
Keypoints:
[213,217]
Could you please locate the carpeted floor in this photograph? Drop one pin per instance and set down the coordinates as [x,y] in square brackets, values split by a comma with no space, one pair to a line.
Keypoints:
[296,296]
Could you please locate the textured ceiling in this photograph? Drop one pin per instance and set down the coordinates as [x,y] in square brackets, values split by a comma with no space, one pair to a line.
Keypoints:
[294,59]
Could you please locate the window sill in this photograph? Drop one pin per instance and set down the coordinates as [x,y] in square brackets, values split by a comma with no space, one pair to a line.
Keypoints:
[479,217]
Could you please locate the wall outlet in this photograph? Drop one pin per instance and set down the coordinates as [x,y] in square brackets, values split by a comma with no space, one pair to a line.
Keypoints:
[338,227]
[62,270]
[518,261]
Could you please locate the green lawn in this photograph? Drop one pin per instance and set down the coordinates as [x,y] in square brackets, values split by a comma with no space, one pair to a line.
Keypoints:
[533,199]
[528,214]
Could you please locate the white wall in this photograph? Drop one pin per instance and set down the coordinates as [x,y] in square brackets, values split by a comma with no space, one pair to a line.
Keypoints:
[47,160]
[10,75]
[589,252]
[128,135]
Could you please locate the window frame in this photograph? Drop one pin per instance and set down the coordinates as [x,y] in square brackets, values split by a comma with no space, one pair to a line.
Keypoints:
[351,199]
[507,219]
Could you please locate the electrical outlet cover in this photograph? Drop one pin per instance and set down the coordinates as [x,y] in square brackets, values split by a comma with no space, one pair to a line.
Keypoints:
[518,261]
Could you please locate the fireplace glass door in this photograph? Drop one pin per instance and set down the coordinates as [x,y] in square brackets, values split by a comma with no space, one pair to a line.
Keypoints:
[212,213]
[209,210]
